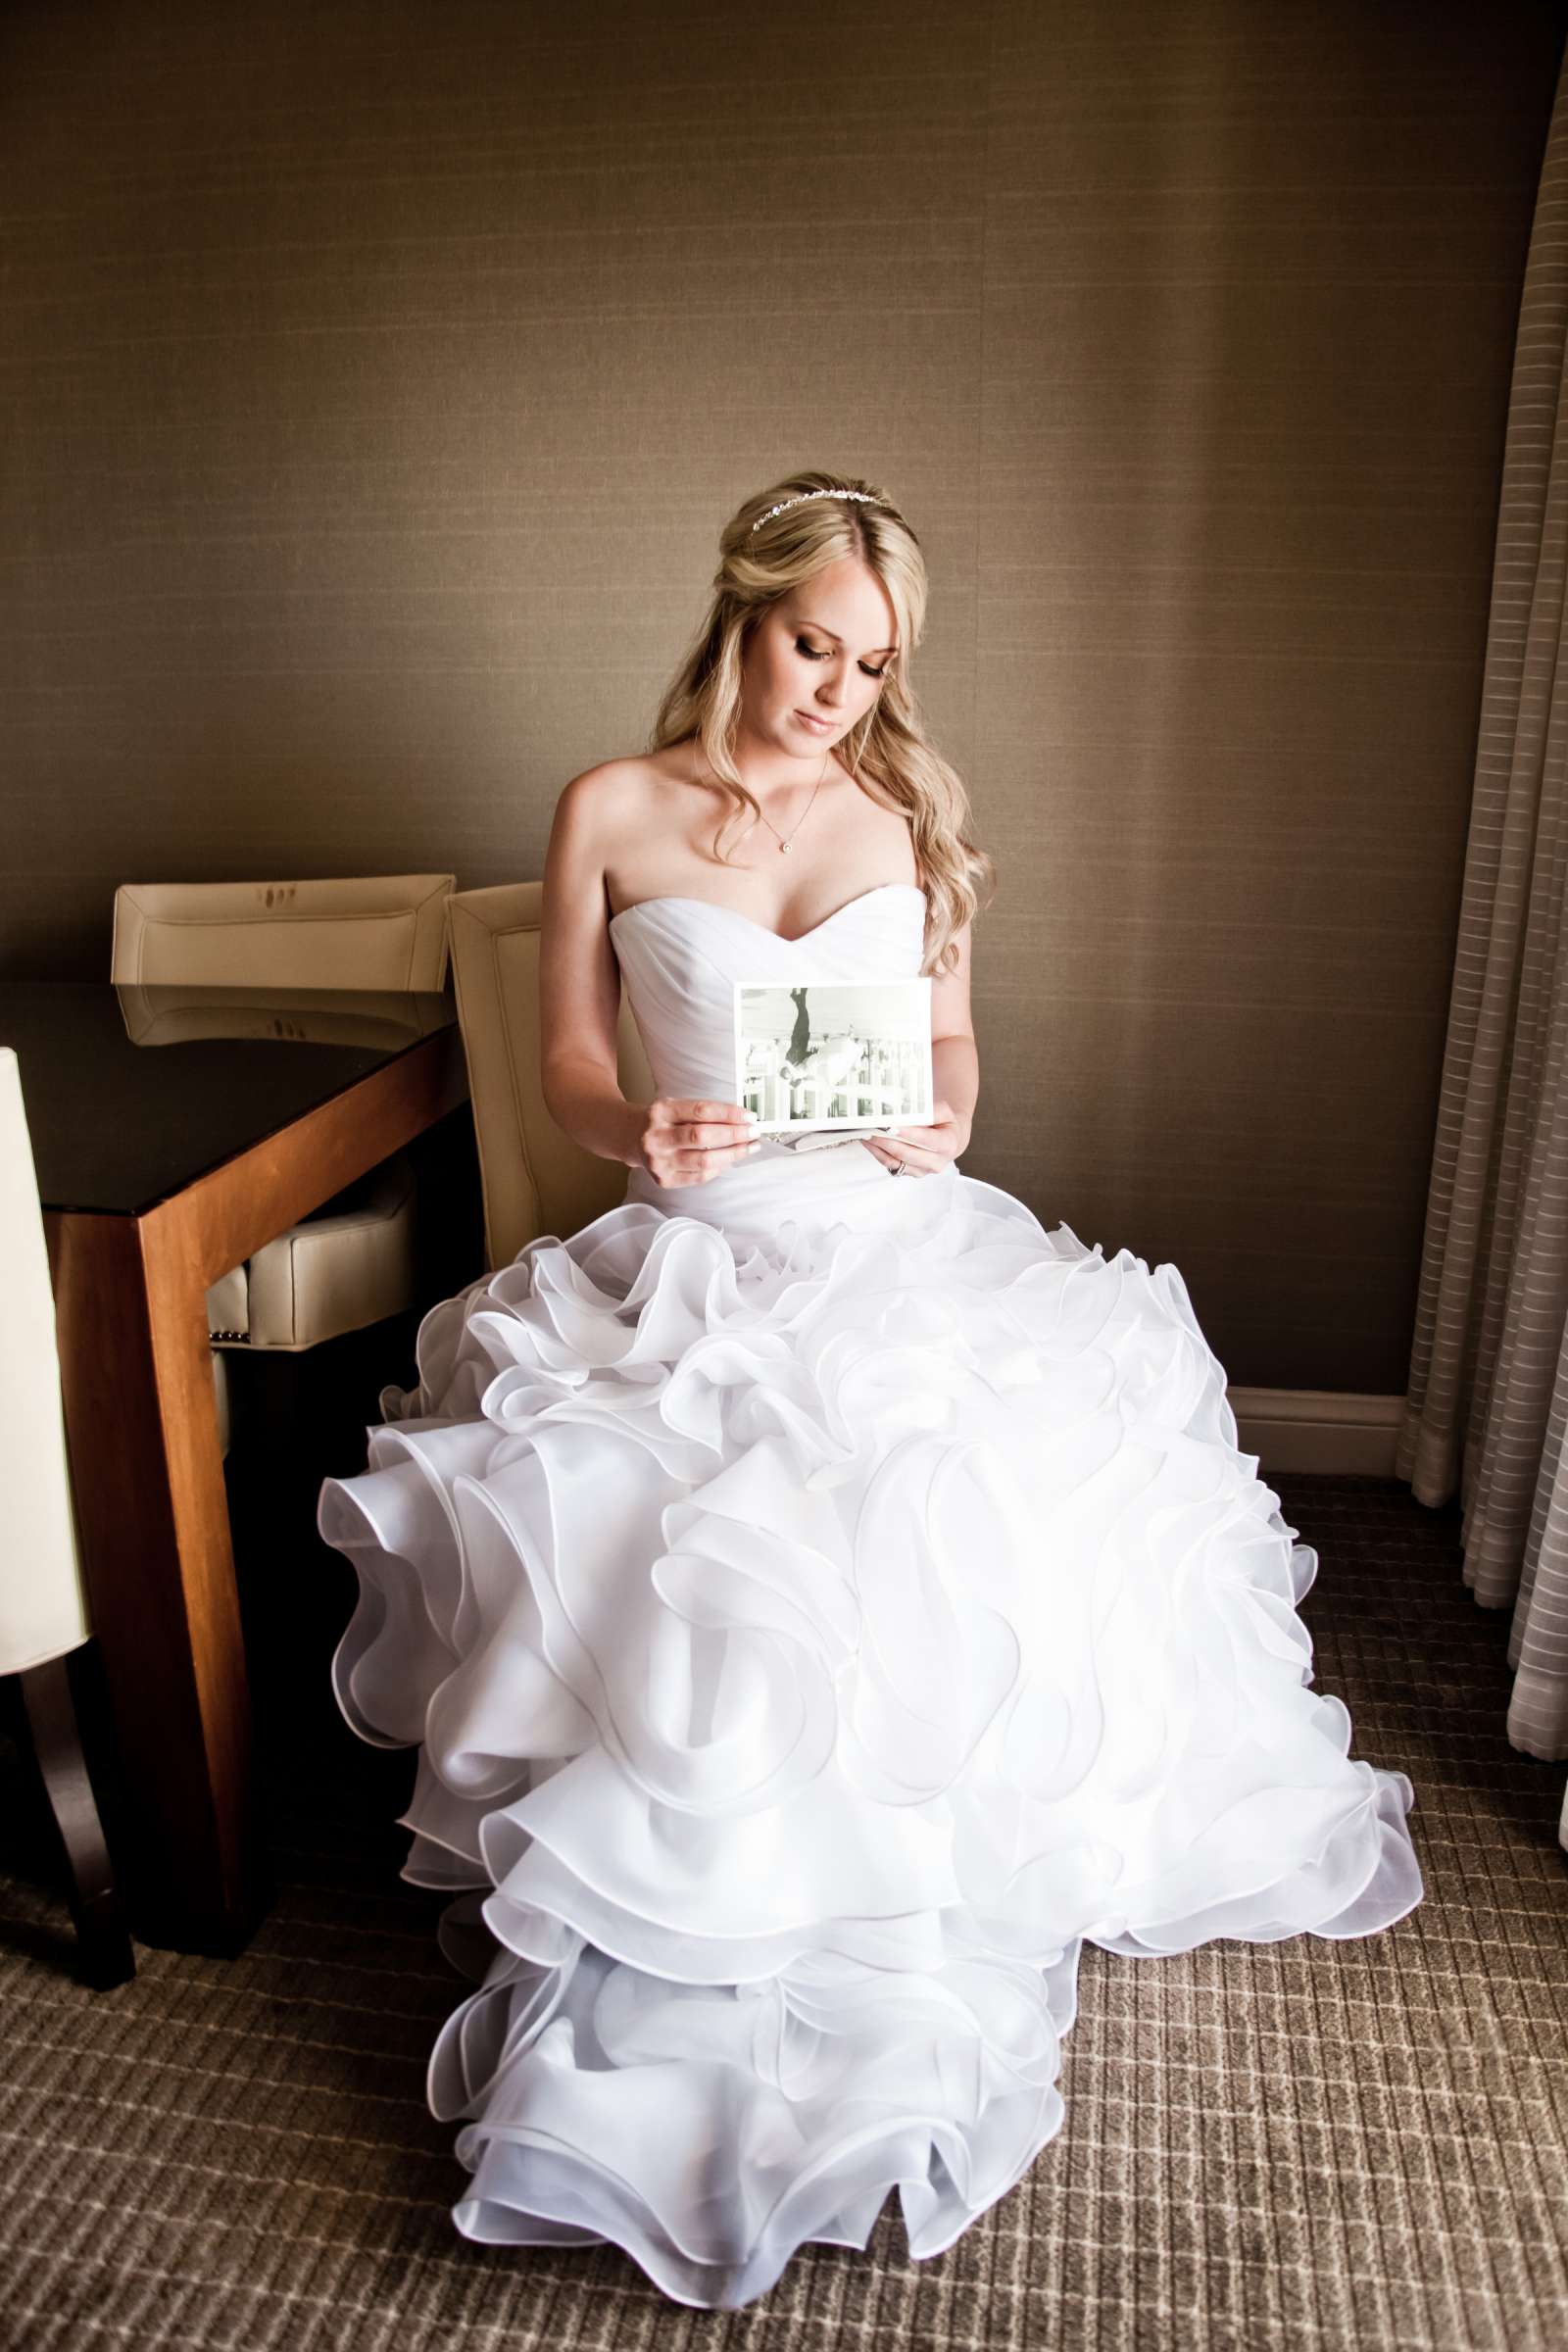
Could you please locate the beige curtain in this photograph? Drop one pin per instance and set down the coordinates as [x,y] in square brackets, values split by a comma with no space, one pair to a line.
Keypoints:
[1488,1397]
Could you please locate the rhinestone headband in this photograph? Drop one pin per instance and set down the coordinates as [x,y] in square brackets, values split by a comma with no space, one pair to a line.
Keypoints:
[784,504]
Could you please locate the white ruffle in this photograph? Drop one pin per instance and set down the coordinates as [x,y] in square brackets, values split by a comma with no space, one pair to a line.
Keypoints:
[812,1641]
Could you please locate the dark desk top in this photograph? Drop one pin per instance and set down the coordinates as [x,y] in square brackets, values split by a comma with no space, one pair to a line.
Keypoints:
[131,1093]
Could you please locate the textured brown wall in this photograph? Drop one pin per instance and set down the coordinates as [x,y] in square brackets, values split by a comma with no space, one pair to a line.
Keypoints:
[378,375]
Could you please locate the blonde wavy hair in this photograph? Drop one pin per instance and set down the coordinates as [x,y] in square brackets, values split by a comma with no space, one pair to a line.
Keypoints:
[889,747]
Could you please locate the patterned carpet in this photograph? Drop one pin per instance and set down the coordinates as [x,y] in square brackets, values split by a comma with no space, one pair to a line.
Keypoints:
[1306,2144]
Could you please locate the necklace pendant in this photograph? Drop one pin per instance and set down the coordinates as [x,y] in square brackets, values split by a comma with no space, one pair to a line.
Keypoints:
[783,849]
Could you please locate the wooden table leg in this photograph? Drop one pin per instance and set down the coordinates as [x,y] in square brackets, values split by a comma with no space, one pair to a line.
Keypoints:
[141,1418]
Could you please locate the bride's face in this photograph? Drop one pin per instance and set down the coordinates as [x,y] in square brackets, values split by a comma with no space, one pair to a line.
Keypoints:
[815,660]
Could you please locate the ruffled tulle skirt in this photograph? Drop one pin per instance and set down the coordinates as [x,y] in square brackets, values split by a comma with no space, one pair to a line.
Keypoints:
[812,1634]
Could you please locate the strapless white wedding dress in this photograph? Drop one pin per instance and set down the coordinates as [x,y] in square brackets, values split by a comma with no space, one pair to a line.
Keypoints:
[822,1602]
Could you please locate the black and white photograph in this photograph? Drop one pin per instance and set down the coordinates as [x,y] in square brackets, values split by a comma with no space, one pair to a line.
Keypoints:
[833,1054]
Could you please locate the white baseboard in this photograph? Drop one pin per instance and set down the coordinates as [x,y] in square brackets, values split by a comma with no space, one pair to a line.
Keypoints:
[1318,1429]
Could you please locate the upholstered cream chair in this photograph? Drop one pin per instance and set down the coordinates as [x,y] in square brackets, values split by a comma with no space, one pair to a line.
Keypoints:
[43,1610]
[383,931]
[352,1262]
[536,1180]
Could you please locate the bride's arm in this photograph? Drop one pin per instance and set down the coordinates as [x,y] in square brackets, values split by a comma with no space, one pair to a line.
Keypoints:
[954,1055]
[954,1075]
[579,986]
[674,1141]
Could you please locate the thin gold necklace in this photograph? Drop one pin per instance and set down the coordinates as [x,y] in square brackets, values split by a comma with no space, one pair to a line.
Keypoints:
[784,839]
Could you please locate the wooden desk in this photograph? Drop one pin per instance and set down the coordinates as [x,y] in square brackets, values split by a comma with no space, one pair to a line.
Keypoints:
[164,1159]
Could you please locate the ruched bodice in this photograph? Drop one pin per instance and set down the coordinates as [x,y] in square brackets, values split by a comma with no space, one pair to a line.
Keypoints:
[679,960]
[822,1603]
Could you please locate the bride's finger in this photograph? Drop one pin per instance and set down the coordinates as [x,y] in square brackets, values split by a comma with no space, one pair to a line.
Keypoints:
[677,1111]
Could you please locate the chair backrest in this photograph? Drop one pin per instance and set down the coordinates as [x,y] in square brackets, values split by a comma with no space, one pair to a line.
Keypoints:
[43,1612]
[364,931]
[536,1180]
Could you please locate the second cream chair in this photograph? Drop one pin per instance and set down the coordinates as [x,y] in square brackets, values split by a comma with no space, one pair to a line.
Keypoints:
[536,1180]
[44,1622]
[353,1261]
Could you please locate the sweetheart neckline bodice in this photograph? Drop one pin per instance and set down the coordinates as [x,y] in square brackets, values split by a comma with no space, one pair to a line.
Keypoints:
[785,939]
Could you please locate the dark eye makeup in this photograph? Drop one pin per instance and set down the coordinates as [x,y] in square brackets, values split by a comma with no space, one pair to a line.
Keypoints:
[817,654]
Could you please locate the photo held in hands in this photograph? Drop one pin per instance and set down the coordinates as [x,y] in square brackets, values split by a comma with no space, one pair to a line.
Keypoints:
[830,1061]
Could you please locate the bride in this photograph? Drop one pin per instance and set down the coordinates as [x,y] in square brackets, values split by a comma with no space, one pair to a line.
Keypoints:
[822,1597]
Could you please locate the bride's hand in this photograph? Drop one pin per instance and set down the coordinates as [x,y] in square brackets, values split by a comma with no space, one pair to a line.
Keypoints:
[922,1149]
[687,1141]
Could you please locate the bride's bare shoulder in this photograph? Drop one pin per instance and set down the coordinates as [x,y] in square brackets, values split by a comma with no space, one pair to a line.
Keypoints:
[619,791]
